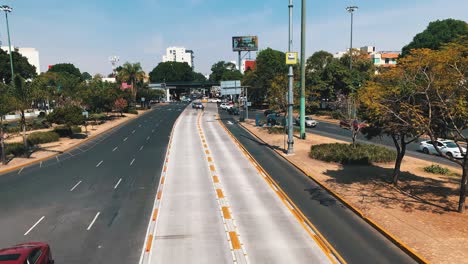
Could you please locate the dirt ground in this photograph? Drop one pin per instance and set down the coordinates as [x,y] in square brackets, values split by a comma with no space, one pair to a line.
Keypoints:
[53,148]
[420,212]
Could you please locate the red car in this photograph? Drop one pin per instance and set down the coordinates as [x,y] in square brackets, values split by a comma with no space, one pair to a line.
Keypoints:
[27,253]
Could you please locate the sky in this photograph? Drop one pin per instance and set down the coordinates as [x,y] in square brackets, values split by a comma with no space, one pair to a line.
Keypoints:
[87,32]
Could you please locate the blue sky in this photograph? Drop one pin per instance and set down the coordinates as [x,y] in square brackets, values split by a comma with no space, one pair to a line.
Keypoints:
[87,32]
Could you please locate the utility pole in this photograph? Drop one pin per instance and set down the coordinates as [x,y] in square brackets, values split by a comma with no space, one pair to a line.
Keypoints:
[291,84]
[7,10]
[303,43]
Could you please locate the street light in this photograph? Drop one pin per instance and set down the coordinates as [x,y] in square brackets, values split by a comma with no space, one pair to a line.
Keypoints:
[351,10]
[290,85]
[303,43]
[7,10]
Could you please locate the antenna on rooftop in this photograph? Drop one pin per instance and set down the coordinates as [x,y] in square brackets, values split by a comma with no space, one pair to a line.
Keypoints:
[113,60]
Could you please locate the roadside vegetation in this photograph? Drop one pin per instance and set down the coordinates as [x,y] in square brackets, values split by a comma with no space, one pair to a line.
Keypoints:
[347,154]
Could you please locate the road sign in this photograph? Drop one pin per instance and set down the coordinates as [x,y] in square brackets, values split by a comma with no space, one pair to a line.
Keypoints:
[231,87]
[249,103]
[291,58]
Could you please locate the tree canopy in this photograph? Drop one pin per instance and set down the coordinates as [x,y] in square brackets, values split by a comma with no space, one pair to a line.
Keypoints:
[172,71]
[66,68]
[224,71]
[436,34]
[21,66]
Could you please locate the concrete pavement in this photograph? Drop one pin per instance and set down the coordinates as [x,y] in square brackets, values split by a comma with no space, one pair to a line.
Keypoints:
[216,207]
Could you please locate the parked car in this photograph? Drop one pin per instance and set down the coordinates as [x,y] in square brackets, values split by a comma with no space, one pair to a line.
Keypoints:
[32,252]
[448,147]
[225,106]
[215,100]
[309,121]
[269,112]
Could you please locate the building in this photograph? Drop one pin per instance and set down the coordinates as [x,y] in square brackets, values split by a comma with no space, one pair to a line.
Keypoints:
[379,58]
[179,54]
[30,53]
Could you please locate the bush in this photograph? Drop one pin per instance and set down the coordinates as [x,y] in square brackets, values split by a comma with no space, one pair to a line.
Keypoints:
[42,137]
[75,129]
[37,124]
[98,116]
[131,111]
[436,169]
[337,115]
[281,130]
[362,154]
[15,149]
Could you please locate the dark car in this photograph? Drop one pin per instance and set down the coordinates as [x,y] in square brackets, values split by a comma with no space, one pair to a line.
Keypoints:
[269,112]
[233,111]
[197,105]
[32,252]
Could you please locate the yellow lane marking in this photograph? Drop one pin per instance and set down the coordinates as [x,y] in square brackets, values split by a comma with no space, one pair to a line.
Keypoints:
[234,240]
[220,193]
[205,145]
[148,244]
[212,168]
[159,195]
[207,152]
[226,213]
[155,214]
[210,159]
[215,179]
[165,168]
[163,179]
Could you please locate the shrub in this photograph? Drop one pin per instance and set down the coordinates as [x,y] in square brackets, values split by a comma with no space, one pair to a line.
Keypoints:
[98,116]
[276,130]
[15,149]
[362,154]
[132,111]
[42,137]
[337,115]
[75,129]
[37,124]
[436,169]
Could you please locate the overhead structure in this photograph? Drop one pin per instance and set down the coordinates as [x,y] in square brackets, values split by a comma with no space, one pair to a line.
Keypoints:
[244,44]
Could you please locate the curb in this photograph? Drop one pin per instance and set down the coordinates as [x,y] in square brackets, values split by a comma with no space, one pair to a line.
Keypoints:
[66,149]
[413,254]
[322,242]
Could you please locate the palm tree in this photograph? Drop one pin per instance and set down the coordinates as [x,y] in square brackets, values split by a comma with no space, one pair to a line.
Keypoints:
[133,73]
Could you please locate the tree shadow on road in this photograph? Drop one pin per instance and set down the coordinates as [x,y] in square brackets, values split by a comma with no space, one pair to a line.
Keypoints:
[371,184]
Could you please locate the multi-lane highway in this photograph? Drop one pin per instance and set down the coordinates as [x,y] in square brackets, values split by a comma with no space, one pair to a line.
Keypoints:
[92,204]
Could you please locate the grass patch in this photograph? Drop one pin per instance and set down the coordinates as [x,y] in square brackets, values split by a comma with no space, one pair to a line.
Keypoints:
[279,130]
[43,137]
[362,154]
[64,131]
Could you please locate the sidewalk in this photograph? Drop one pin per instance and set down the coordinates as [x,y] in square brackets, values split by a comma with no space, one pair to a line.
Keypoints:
[420,213]
[52,149]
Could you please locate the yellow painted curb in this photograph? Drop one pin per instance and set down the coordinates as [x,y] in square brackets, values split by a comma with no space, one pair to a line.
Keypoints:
[3,171]
[413,254]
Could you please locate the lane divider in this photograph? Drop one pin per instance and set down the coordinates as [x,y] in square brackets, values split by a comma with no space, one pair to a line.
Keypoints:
[148,250]
[313,232]
[238,252]
[400,244]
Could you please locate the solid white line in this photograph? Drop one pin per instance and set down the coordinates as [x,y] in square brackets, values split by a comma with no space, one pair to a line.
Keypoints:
[99,164]
[115,149]
[131,163]
[117,185]
[19,172]
[76,185]
[94,220]
[141,148]
[125,139]
[30,229]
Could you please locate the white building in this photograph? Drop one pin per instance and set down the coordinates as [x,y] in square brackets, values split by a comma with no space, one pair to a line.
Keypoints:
[179,54]
[30,53]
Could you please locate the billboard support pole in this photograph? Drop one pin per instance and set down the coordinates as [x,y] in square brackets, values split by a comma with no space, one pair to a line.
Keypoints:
[303,43]
[290,88]
[239,61]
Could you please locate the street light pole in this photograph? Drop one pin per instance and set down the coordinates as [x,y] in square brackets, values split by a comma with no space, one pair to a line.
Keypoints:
[303,43]
[291,83]
[7,10]
[351,10]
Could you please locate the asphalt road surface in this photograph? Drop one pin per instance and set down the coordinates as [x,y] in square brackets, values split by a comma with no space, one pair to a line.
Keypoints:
[211,193]
[91,204]
[353,238]
[335,131]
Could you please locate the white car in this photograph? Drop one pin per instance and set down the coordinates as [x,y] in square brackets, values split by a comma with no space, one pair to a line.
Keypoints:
[309,121]
[215,100]
[225,106]
[448,147]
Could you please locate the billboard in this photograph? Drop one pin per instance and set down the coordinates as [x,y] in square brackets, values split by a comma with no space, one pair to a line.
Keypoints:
[246,43]
[231,87]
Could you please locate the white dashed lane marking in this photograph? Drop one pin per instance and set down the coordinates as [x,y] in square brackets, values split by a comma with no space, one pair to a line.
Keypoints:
[74,187]
[30,229]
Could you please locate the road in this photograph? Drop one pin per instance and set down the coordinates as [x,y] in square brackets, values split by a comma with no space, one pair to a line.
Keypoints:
[353,238]
[334,131]
[217,208]
[92,203]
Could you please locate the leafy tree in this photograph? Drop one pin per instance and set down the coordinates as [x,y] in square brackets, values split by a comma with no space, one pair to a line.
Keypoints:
[131,73]
[436,34]
[85,76]
[66,68]
[20,65]
[120,104]
[172,71]
[224,71]
[70,115]
[5,108]
[270,63]
[198,77]
[22,99]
